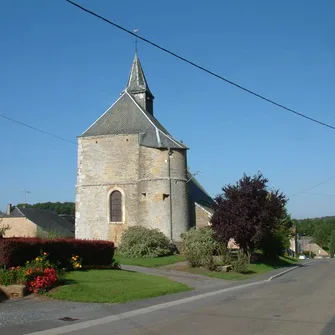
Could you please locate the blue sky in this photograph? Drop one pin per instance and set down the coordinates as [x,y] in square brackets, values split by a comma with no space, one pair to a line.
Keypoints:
[61,69]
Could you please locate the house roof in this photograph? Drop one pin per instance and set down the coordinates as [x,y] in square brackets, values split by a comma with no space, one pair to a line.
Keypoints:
[198,194]
[44,219]
[126,116]
[304,241]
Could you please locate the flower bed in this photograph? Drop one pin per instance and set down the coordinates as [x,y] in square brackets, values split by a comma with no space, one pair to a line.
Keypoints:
[37,276]
[45,270]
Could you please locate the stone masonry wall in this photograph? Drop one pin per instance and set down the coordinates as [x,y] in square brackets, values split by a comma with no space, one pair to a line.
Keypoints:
[154,191]
[106,163]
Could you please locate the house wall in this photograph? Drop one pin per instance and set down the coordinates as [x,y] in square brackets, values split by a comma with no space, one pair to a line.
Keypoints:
[202,218]
[20,227]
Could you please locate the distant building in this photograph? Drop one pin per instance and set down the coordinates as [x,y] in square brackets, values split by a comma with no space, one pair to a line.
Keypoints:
[34,222]
[305,244]
[131,171]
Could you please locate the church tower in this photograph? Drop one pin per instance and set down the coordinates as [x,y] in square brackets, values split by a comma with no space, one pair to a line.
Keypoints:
[131,171]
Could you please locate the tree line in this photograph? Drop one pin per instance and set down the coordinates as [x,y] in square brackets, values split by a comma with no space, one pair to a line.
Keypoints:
[56,207]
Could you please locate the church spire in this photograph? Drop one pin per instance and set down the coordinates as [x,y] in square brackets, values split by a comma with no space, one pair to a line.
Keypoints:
[138,87]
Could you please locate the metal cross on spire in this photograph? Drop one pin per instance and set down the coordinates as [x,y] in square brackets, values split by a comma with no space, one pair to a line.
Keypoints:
[136,39]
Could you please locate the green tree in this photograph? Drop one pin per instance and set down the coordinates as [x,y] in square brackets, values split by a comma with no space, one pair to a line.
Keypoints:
[332,244]
[322,233]
[56,207]
[277,241]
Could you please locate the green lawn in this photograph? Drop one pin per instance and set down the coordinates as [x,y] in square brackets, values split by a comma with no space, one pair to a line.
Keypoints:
[113,286]
[254,269]
[150,262]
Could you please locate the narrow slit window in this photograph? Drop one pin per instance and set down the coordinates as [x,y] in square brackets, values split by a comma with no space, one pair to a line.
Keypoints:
[116,206]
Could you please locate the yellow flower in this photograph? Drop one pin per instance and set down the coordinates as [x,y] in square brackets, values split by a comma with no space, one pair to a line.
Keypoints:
[44,253]
[27,262]
[37,259]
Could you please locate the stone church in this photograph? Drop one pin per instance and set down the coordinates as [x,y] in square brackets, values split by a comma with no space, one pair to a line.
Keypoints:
[131,171]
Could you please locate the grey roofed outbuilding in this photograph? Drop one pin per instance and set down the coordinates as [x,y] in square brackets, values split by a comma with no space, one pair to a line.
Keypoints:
[126,116]
[46,220]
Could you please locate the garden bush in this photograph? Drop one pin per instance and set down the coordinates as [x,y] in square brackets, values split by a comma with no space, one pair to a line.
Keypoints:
[16,251]
[141,242]
[241,263]
[198,246]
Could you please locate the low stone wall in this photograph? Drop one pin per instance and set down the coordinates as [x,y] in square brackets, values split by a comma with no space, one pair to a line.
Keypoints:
[12,291]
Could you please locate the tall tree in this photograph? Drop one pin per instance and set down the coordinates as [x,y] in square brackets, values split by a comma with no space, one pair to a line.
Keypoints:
[247,211]
[276,242]
[332,244]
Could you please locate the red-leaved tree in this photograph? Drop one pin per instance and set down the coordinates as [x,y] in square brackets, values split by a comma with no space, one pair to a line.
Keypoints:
[247,211]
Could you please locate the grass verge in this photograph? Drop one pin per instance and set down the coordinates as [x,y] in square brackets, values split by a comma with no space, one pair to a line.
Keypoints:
[254,269]
[150,262]
[113,286]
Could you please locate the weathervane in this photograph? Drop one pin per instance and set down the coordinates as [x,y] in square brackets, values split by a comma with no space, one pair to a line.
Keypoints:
[136,40]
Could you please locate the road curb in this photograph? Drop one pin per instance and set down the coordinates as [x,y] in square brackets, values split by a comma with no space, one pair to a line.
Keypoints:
[288,270]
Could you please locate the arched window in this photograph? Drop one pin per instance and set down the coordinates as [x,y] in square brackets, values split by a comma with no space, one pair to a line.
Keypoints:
[115,206]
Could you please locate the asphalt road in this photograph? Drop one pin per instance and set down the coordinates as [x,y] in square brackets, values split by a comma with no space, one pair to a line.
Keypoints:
[300,302]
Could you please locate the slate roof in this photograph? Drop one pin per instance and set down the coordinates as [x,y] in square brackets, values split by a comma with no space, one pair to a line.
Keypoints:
[126,116]
[46,220]
[198,194]
[137,82]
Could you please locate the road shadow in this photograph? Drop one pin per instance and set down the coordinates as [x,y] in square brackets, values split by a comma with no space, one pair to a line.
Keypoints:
[3,296]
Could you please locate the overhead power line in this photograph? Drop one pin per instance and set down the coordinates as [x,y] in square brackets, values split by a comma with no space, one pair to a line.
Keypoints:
[136,35]
[326,195]
[314,186]
[36,129]
[72,142]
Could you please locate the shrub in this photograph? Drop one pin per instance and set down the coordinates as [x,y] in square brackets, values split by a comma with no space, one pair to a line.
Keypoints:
[240,265]
[225,255]
[14,275]
[16,251]
[198,246]
[76,262]
[141,242]
[3,230]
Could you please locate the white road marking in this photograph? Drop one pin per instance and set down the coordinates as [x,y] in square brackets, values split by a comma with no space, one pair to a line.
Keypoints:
[145,310]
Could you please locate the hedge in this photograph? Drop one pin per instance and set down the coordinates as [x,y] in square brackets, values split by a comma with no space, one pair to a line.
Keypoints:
[16,251]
